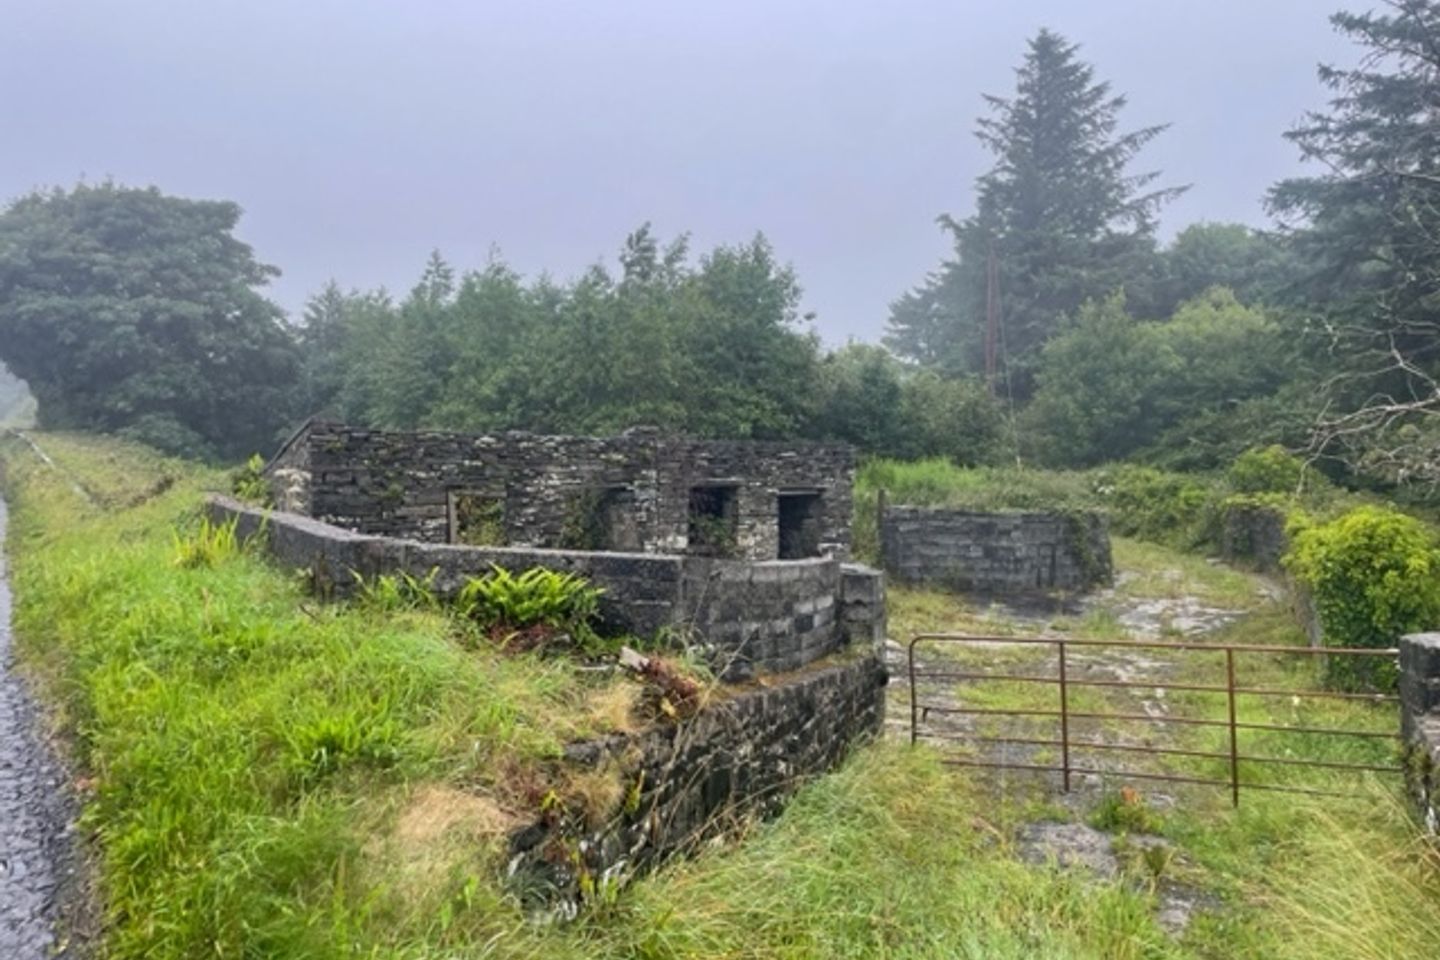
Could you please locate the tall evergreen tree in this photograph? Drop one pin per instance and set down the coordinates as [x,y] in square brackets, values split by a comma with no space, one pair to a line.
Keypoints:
[1061,213]
[1370,226]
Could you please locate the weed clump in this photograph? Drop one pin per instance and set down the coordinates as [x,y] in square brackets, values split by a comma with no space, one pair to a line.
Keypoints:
[209,546]
[1125,812]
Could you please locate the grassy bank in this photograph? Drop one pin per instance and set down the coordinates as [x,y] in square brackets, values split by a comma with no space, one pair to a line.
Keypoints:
[268,777]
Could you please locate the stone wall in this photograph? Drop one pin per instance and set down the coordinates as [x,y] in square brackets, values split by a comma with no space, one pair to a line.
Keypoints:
[289,474]
[770,617]
[693,781]
[631,492]
[996,553]
[1253,534]
[1420,722]
[745,617]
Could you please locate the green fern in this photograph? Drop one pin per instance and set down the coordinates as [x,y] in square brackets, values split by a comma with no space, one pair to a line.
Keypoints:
[565,603]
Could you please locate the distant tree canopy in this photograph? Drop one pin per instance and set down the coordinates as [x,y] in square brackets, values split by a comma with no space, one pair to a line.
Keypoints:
[130,311]
[1061,213]
[1111,386]
[713,347]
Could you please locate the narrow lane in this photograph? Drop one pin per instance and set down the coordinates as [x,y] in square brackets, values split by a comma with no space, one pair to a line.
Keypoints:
[35,815]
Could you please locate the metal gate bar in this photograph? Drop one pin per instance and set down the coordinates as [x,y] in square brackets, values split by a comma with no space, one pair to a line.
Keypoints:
[920,712]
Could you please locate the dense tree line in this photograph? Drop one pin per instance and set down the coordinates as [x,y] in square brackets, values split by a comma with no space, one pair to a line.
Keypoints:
[713,346]
[1060,331]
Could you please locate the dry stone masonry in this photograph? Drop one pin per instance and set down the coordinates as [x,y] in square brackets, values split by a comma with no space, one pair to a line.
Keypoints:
[691,782]
[736,548]
[641,492]
[996,553]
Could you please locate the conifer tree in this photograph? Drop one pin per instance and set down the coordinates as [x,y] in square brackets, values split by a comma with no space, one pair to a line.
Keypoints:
[1061,213]
[1369,226]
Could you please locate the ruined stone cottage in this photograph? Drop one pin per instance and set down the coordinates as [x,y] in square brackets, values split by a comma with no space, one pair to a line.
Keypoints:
[738,548]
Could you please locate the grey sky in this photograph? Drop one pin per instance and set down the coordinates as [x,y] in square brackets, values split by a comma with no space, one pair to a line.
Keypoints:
[359,135]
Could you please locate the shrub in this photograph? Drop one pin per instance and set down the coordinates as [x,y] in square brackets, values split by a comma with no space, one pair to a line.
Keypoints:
[247,482]
[1375,575]
[1157,506]
[389,593]
[1270,469]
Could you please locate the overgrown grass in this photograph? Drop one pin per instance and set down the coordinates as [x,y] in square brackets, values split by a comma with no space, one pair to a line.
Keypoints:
[276,778]
[243,742]
[1295,876]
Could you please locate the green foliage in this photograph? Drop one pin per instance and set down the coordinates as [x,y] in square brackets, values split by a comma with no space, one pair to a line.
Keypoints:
[1368,223]
[248,482]
[1161,507]
[713,347]
[562,604]
[1124,811]
[870,400]
[248,749]
[479,521]
[1271,469]
[712,536]
[1255,265]
[1110,385]
[1374,574]
[938,482]
[126,310]
[584,525]
[210,545]
[394,592]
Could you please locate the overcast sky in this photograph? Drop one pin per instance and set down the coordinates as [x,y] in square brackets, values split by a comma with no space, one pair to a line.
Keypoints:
[360,135]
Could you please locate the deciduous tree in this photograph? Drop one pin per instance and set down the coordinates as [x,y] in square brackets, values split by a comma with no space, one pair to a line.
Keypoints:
[129,310]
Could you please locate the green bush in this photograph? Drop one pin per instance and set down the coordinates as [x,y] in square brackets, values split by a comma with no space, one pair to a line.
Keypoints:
[1161,507]
[248,483]
[1271,469]
[1375,575]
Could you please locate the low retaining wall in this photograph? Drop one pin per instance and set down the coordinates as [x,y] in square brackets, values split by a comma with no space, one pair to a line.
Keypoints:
[693,781]
[1420,722]
[1253,534]
[746,617]
[773,616]
[996,553]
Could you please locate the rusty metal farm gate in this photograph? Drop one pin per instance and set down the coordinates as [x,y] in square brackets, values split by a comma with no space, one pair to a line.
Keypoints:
[1081,729]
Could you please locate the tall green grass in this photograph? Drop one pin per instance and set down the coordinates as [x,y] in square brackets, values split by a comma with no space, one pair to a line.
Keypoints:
[235,733]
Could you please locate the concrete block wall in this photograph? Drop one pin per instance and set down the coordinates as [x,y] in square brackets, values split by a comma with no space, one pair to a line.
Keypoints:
[739,758]
[862,597]
[996,553]
[764,617]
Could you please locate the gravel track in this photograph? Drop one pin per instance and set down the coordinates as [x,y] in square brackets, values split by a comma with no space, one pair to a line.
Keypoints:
[37,860]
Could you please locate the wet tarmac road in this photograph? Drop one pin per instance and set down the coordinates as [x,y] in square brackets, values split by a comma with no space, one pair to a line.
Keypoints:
[35,814]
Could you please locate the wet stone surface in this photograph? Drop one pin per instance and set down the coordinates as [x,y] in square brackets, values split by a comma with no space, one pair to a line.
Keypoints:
[35,814]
